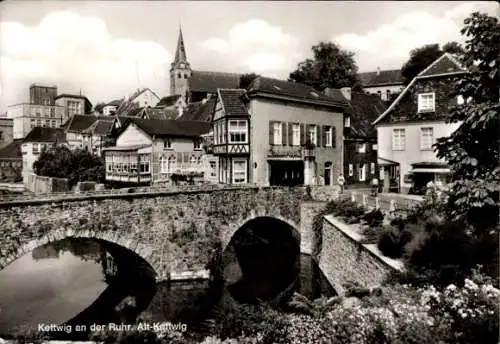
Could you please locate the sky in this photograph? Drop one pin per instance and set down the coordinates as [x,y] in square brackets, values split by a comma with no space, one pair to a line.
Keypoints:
[108,49]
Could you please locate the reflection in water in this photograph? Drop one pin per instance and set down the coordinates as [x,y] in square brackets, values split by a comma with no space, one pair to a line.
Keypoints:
[83,281]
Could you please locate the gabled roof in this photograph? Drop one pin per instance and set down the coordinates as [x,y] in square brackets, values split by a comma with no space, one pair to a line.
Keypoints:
[42,134]
[168,101]
[137,93]
[154,127]
[100,128]
[201,81]
[294,91]
[383,77]
[79,123]
[446,65]
[232,102]
[199,111]
[12,151]
[363,110]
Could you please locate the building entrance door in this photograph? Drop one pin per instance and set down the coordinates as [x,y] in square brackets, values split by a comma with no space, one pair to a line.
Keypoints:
[286,173]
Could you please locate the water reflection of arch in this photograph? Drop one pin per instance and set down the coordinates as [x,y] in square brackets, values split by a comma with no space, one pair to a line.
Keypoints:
[114,240]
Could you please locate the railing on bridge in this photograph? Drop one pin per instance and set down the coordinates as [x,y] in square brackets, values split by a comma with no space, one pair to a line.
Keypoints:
[384,202]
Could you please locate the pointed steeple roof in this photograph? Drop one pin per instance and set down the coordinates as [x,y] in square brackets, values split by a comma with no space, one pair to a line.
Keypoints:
[180,53]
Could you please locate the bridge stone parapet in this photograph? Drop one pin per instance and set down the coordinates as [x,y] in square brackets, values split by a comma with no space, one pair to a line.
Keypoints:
[173,231]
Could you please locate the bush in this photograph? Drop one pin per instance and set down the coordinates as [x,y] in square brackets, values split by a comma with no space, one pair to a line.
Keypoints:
[374,218]
[390,243]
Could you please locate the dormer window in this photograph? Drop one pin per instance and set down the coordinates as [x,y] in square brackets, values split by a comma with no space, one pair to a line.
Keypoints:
[182,65]
[426,102]
[167,143]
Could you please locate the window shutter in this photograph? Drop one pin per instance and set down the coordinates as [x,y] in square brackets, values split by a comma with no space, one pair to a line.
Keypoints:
[323,130]
[318,136]
[290,134]
[334,137]
[271,132]
[284,136]
[302,134]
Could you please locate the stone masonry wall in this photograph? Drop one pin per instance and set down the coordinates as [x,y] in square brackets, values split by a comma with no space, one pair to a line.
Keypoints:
[344,259]
[174,232]
[307,212]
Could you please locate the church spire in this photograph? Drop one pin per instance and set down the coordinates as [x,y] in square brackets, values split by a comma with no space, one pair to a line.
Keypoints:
[180,53]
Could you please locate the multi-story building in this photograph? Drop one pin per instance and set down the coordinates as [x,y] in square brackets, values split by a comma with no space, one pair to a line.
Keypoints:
[387,84]
[42,94]
[360,137]
[6,131]
[28,116]
[34,143]
[407,130]
[74,104]
[151,151]
[278,133]
[11,162]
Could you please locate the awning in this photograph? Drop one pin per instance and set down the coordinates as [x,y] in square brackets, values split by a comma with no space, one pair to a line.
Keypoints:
[431,170]
[386,162]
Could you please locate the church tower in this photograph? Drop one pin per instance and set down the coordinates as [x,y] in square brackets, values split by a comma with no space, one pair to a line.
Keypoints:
[180,71]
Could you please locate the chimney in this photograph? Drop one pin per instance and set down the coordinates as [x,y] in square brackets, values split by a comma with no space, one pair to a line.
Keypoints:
[378,71]
[346,92]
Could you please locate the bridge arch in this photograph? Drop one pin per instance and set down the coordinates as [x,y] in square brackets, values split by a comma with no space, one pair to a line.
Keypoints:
[141,251]
[229,234]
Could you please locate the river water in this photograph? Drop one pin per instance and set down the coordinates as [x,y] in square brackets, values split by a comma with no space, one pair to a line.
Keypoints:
[83,281]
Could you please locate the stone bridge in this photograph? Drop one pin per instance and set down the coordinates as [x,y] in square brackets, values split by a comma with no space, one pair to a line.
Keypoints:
[175,232]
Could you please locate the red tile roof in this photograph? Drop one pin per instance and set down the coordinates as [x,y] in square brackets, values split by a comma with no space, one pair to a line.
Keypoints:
[209,82]
[233,102]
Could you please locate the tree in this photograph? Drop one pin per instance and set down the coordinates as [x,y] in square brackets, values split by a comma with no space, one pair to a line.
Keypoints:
[76,166]
[99,106]
[246,80]
[421,58]
[473,149]
[330,67]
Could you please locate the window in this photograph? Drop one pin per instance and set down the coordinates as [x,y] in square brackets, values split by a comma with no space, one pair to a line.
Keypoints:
[38,122]
[213,167]
[426,102]
[172,164]
[426,138]
[372,168]
[193,160]
[362,172]
[197,143]
[46,123]
[278,140]
[179,76]
[52,112]
[362,148]
[296,135]
[144,163]
[38,114]
[239,171]
[351,170]
[46,101]
[387,94]
[312,135]
[74,107]
[238,131]
[379,94]
[163,165]
[347,122]
[374,146]
[32,123]
[328,137]
[167,143]
[185,76]
[36,148]
[398,139]
[54,123]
